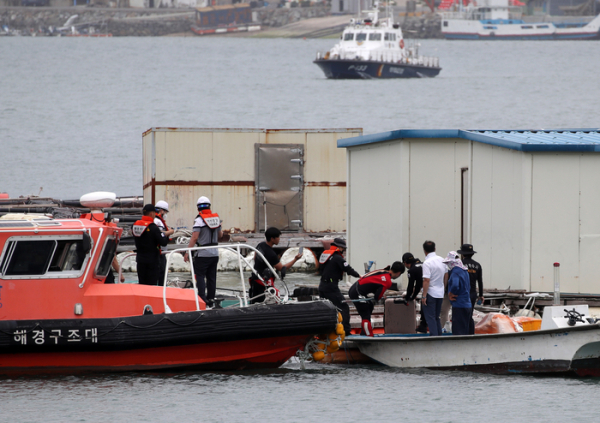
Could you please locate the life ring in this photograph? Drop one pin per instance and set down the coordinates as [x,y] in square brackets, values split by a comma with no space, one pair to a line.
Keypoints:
[401,43]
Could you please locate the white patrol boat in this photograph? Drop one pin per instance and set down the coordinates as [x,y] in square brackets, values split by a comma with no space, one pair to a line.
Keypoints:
[374,48]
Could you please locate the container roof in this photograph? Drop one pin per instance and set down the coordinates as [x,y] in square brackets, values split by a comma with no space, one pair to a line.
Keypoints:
[528,140]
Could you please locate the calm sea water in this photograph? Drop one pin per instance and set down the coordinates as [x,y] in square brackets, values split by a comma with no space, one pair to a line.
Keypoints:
[72,112]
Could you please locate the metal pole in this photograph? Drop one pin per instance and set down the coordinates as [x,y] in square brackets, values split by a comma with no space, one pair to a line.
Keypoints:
[556,284]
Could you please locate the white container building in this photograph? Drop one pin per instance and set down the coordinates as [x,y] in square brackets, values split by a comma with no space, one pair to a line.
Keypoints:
[291,179]
[524,199]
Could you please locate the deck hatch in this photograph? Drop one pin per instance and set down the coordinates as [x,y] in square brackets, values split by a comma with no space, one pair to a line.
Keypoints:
[15,224]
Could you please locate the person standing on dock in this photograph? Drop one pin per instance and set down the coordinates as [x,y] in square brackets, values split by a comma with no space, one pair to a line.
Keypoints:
[435,275]
[206,233]
[333,266]
[258,287]
[148,240]
[377,283]
[162,208]
[458,293]
[415,284]
[475,276]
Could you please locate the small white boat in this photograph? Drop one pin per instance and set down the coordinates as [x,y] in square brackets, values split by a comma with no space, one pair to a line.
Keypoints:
[497,20]
[567,343]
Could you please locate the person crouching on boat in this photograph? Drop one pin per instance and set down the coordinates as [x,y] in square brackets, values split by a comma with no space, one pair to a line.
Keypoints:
[377,283]
[333,265]
[148,240]
[258,287]
[458,292]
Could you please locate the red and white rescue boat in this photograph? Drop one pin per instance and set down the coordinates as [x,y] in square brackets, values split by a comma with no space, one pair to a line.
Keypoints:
[58,315]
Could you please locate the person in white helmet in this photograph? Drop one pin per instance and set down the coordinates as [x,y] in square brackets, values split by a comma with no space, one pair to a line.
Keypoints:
[162,208]
[207,231]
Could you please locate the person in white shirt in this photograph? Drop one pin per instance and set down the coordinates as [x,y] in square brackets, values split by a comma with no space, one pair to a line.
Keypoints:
[435,274]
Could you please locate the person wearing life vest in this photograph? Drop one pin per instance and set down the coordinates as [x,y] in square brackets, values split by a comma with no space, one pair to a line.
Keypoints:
[258,287]
[162,208]
[333,265]
[207,231]
[374,283]
[148,240]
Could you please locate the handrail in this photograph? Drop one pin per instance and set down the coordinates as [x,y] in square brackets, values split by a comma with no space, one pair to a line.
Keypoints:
[241,258]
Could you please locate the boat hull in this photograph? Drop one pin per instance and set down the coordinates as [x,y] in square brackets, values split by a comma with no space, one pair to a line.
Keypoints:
[363,69]
[558,351]
[260,336]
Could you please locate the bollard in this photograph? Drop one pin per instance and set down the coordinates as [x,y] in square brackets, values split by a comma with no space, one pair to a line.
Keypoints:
[556,284]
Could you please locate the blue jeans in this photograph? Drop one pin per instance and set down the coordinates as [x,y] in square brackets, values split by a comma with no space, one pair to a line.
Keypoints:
[432,315]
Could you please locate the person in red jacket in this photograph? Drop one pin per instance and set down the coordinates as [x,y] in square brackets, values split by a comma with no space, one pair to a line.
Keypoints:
[376,283]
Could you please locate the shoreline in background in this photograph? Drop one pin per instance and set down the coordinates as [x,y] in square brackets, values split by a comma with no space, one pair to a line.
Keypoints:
[304,22]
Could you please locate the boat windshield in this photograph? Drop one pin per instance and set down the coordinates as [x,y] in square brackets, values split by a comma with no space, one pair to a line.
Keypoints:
[36,257]
[361,36]
[389,37]
[375,36]
[349,36]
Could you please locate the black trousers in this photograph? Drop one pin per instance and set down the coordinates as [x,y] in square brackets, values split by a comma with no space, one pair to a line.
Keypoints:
[147,273]
[460,320]
[364,308]
[472,322]
[337,299]
[205,269]
[162,267]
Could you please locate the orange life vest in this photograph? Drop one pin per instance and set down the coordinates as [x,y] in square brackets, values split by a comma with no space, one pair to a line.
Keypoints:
[211,219]
[141,225]
[326,255]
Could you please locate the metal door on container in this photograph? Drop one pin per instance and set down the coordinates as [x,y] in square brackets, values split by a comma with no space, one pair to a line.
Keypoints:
[279,186]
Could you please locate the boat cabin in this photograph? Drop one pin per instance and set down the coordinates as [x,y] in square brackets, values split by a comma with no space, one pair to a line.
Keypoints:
[57,268]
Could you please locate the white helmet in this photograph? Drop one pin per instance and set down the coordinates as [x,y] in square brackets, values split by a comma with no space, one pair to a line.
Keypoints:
[162,205]
[203,200]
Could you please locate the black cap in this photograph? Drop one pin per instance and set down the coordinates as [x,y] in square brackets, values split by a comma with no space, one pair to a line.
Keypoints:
[339,242]
[466,249]
[408,258]
[149,208]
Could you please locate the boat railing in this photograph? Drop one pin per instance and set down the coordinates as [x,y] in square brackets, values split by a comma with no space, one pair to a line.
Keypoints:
[243,300]
[389,57]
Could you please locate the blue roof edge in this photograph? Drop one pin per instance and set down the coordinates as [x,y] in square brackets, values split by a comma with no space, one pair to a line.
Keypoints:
[473,135]
[396,135]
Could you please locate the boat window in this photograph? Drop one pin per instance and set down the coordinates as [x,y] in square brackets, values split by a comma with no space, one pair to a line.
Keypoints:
[542,26]
[392,37]
[490,27]
[108,253]
[28,257]
[387,36]
[349,36]
[361,37]
[375,36]
[69,255]
[48,256]
[526,26]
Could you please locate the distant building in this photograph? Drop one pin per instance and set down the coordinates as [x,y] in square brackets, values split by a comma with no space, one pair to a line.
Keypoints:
[346,6]
[524,199]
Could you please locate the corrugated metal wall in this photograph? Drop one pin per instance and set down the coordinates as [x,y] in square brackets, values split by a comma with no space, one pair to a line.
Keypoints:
[525,210]
[182,164]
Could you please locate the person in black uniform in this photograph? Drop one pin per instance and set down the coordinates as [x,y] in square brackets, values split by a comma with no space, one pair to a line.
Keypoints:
[258,287]
[333,265]
[148,240]
[415,284]
[474,269]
